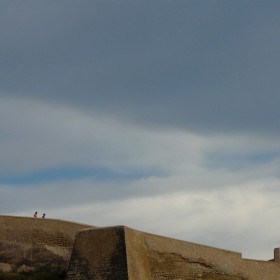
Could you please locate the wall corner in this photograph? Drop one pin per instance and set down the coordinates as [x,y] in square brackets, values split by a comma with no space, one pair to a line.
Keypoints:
[277,255]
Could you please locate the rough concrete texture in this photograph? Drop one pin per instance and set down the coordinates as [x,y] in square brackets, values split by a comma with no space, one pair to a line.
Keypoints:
[123,253]
[119,253]
[103,258]
[36,243]
[5,267]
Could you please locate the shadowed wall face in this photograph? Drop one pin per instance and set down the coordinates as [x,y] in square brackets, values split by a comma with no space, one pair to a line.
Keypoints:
[99,254]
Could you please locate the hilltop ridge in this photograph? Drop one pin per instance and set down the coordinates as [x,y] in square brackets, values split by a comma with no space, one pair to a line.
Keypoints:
[33,243]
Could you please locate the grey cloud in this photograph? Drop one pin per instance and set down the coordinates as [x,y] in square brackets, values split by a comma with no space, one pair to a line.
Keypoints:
[96,83]
[187,64]
[38,137]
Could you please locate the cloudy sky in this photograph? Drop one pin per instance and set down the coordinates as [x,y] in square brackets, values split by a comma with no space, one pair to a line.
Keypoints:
[160,115]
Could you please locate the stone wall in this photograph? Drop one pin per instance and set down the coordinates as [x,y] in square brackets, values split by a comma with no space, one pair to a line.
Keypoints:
[123,253]
[99,254]
[119,253]
[34,243]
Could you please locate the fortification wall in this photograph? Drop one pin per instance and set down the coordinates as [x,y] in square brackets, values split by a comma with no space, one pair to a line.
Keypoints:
[99,255]
[119,253]
[123,253]
[35,242]
[49,232]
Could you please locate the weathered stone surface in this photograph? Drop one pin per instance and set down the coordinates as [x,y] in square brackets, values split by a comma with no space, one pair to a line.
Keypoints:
[25,268]
[37,243]
[5,267]
[123,253]
[105,258]
[166,258]
[119,253]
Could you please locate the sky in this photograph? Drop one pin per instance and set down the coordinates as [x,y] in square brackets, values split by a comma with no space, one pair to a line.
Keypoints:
[155,114]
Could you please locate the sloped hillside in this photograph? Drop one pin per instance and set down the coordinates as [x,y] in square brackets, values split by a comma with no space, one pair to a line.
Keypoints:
[29,243]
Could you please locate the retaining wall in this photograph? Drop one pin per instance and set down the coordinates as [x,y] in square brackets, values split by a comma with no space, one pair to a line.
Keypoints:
[36,242]
[119,253]
[123,253]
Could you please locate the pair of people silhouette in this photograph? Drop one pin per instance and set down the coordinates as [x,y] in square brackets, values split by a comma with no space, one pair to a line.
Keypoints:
[36,215]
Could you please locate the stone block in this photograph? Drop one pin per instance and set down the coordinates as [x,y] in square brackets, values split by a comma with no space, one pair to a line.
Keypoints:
[99,254]
[277,255]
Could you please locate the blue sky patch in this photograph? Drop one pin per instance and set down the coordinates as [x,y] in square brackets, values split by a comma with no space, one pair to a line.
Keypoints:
[69,173]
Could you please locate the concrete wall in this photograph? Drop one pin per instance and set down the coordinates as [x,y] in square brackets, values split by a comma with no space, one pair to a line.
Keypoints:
[36,242]
[119,253]
[99,254]
[152,257]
